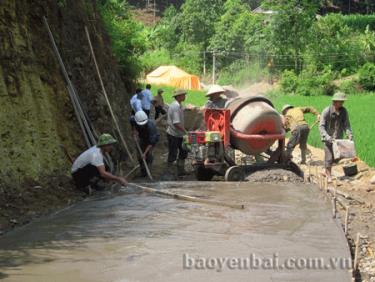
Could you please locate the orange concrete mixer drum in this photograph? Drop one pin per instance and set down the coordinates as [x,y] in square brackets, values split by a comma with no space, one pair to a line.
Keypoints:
[255,125]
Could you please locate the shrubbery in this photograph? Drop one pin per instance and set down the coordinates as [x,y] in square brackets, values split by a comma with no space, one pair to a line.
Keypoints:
[307,83]
[367,76]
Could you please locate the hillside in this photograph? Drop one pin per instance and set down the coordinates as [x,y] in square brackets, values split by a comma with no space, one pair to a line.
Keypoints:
[37,115]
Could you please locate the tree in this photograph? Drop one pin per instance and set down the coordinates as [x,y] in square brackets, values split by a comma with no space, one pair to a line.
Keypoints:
[198,19]
[127,36]
[167,32]
[234,30]
[289,29]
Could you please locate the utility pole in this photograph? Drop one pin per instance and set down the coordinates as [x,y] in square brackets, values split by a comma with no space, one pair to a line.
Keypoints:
[213,67]
[154,11]
[349,6]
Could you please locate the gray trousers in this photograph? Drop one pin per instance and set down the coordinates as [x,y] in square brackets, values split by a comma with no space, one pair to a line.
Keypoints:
[328,155]
[299,137]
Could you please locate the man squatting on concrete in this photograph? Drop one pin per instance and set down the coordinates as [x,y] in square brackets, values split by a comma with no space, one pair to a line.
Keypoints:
[294,120]
[89,167]
[333,124]
[175,132]
[148,136]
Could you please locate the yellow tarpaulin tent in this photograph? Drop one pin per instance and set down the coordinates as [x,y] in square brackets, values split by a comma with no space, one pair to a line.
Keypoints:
[173,76]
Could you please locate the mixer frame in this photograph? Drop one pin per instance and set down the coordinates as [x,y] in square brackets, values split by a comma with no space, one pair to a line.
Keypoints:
[213,158]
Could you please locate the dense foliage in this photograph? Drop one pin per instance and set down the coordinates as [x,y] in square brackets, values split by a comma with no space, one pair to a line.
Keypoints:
[296,41]
[129,38]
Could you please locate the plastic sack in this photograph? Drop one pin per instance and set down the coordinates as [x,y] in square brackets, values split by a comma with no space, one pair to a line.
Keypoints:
[343,149]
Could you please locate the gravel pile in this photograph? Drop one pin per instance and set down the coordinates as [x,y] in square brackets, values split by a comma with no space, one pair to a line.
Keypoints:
[274,175]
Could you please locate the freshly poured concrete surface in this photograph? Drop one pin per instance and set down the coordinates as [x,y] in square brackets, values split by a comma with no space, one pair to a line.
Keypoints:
[138,237]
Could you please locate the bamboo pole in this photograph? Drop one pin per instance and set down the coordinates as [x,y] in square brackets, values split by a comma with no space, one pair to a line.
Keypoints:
[70,87]
[133,169]
[334,208]
[106,96]
[339,192]
[187,198]
[144,161]
[67,153]
[355,263]
[314,124]
[159,119]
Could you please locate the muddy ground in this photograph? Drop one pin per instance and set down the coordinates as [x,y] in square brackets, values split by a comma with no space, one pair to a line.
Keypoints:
[20,205]
[57,192]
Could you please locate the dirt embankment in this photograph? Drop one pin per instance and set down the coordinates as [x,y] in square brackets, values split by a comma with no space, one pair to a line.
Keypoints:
[36,112]
[355,193]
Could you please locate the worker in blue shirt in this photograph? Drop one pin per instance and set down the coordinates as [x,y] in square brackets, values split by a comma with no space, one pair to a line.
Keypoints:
[136,101]
[147,99]
[148,136]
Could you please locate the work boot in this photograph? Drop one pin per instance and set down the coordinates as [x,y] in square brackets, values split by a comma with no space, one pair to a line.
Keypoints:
[181,168]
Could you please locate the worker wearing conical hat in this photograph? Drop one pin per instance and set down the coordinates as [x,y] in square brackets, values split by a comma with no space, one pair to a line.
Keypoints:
[333,124]
[215,99]
[176,131]
[88,169]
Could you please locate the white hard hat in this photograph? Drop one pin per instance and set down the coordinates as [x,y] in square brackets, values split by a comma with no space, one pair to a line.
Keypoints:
[141,118]
[215,89]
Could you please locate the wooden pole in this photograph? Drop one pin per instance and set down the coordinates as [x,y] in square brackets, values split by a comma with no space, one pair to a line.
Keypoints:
[67,153]
[335,187]
[187,198]
[79,114]
[133,169]
[144,161]
[159,119]
[314,124]
[338,192]
[106,96]
[334,207]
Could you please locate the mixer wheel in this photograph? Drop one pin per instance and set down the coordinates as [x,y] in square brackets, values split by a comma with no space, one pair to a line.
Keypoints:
[203,174]
[234,173]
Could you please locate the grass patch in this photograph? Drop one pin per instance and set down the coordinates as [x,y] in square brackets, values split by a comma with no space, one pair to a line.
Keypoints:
[360,108]
[194,97]
[361,114]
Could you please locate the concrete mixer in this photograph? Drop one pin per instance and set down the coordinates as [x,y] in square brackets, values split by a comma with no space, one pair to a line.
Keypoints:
[250,125]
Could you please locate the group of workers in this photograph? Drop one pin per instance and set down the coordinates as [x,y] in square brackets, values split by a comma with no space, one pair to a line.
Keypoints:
[89,166]
[333,124]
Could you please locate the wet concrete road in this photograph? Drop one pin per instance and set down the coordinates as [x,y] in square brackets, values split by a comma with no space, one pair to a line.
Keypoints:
[138,237]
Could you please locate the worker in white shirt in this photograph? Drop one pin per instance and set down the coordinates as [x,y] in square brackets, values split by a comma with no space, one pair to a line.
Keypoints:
[89,167]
